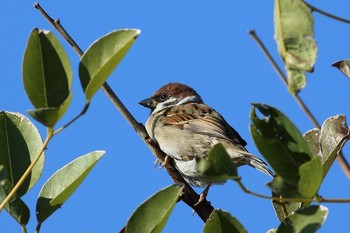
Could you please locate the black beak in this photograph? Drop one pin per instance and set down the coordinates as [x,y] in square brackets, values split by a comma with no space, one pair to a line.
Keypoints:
[149,103]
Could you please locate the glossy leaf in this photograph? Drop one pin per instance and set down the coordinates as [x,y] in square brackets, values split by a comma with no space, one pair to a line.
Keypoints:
[152,215]
[343,66]
[102,57]
[308,219]
[223,222]
[20,142]
[294,34]
[218,166]
[61,185]
[299,173]
[279,141]
[311,176]
[47,74]
[15,207]
[50,116]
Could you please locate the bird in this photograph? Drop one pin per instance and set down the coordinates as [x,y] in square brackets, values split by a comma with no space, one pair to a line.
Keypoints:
[185,128]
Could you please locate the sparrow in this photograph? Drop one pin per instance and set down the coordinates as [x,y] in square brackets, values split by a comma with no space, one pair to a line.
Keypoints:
[185,128]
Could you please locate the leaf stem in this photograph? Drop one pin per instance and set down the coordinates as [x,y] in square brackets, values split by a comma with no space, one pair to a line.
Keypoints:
[24,229]
[190,197]
[313,8]
[340,158]
[74,119]
[28,170]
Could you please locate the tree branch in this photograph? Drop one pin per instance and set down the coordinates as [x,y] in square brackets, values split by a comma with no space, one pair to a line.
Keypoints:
[340,158]
[326,13]
[190,197]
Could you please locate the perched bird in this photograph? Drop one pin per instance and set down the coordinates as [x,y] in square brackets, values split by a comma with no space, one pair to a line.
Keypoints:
[186,129]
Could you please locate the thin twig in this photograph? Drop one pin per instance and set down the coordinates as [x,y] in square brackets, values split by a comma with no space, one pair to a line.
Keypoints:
[340,158]
[56,24]
[327,14]
[190,197]
[28,170]
[38,226]
[74,119]
[285,199]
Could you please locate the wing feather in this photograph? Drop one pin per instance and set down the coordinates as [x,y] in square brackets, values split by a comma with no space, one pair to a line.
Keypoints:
[201,119]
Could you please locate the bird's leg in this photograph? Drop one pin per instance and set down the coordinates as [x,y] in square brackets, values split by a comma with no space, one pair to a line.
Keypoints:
[163,164]
[203,195]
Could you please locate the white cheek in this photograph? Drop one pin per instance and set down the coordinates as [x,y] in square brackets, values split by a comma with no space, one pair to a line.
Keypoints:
[166,104]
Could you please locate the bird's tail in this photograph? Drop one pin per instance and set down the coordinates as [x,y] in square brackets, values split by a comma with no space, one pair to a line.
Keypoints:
[240,156]
[259,164]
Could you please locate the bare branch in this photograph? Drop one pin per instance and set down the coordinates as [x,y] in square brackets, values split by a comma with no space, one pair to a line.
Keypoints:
[190,197]
[327,14]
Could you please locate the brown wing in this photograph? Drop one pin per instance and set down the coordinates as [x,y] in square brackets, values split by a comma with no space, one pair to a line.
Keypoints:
[201,119]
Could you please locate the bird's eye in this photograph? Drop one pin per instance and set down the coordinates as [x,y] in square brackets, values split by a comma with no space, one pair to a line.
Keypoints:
[163,97]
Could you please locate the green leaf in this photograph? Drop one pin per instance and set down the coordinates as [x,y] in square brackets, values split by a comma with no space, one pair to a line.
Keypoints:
[312,138]
[61,185]
[328,141]
[152,215]
[334,134]
[279,141]
[296,80]
[272,231]
[309,183]
[290,207]
[299,173]
[3,174]
[310,177]
[343,66]
[308,219]
[47,74]
[223,222]
[280,187]
[218,166]
[294,35]
[50,116]
[20,142]
[15,207]
[102,57]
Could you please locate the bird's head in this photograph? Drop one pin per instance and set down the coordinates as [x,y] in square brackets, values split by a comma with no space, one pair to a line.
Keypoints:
[169,95]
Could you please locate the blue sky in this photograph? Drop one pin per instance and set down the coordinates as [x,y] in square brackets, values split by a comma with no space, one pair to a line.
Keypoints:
[204,45]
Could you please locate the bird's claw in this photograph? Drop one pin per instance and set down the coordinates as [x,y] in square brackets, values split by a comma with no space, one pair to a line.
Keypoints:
[203,195]
[163,164]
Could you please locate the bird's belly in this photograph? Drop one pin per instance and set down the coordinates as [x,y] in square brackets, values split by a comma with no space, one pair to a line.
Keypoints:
[184,146]
[189,172]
